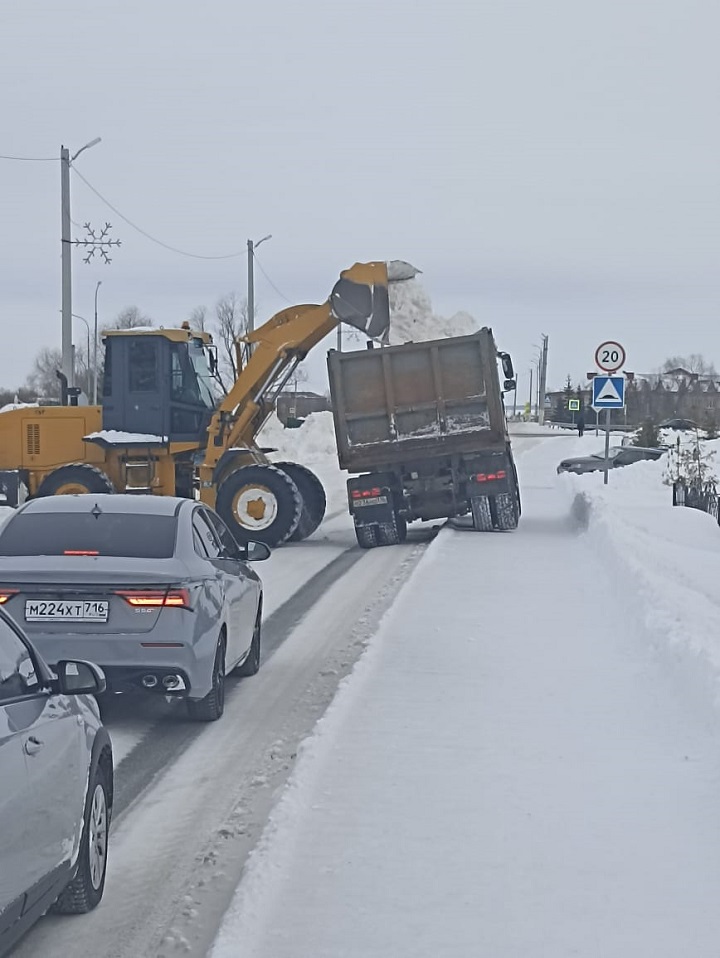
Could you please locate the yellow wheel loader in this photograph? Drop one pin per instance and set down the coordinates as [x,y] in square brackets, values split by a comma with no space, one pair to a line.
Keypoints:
[160,430]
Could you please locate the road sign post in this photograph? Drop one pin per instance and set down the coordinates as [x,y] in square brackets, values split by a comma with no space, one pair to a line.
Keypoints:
[608,389]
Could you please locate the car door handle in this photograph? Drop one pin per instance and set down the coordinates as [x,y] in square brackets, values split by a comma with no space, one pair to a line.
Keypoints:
[33,745]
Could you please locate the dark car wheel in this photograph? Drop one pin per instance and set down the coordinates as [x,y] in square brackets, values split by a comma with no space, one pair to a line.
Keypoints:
[211,708]
[86,889]
[251,665]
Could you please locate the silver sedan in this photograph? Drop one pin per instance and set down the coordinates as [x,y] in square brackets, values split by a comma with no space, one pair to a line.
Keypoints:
[153,589]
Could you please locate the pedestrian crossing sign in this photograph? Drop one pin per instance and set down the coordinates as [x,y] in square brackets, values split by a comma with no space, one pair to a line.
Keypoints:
[574,405]
[608,392]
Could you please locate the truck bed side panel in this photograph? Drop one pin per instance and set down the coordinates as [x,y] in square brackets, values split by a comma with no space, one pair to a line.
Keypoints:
[433,398]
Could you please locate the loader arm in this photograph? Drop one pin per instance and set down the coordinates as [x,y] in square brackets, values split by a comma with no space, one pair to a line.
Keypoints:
[359,298]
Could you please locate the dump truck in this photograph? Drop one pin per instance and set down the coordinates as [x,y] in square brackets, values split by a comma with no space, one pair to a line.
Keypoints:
[422,425]
[160,429]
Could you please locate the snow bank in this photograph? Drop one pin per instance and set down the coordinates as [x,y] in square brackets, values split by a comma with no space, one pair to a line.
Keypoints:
[669,555]
[412,319]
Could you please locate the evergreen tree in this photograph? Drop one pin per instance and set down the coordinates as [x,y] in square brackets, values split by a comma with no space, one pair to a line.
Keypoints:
[647,434]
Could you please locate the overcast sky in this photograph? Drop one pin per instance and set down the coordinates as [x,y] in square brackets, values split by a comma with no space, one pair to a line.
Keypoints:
[550,165]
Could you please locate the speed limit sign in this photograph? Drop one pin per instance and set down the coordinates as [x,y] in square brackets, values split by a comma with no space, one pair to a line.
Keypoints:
[609,356]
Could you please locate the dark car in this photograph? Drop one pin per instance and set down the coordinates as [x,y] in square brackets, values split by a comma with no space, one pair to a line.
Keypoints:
[678,424]
[154,589]
[56,786]
[618,455]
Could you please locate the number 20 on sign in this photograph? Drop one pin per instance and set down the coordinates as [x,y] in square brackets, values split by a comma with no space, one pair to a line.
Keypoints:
[610,356]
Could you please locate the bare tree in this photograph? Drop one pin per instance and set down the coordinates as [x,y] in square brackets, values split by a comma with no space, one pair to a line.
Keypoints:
[130,318]
[693,363]
[43,381]
[198,318]
[231,322]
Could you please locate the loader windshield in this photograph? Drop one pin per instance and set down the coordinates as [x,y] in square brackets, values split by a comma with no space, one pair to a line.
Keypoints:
[191,379]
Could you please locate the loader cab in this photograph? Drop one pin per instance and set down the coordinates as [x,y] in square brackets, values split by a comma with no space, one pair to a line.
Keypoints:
[158,382]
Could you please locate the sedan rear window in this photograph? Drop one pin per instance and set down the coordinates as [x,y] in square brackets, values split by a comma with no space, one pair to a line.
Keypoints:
[73,533]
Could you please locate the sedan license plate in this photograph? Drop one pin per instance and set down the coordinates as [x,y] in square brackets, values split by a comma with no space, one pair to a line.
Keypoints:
[66,610]
[371,501]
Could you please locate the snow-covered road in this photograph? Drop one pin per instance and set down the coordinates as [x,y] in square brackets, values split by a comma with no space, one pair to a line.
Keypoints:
[523,762]
[511,770]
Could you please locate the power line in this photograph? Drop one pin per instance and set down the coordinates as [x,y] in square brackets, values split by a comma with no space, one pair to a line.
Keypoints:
[31,159]
[153,239]
[260,267]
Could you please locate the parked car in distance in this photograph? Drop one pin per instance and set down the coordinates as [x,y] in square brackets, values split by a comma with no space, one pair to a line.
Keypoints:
[56,786]
[618,455]
[154,589]
[679,424]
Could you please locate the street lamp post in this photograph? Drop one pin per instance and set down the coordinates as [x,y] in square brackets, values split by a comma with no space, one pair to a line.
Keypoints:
[95,348]
[87,326]
[251,247]
[66,263]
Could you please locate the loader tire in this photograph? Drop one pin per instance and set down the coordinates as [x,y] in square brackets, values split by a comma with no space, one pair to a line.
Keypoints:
[260,503]
[313,498]
[77,478]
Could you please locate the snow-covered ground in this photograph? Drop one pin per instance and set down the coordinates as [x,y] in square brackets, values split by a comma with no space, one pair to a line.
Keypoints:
[526,760]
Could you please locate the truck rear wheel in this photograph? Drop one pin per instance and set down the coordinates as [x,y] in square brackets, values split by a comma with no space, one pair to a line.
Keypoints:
[312,495]
[504,509]
[260,503]
[77,478]
[481,513]
[366,535]
[392,533]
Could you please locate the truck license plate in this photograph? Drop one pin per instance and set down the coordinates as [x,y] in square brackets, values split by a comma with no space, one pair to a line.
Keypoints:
[66,610]
[372,501]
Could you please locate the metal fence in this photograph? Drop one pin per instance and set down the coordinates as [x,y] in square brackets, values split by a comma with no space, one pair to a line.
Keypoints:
[697,495]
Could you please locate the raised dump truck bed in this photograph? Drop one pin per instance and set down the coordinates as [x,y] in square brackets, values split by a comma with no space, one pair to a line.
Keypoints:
[426,424]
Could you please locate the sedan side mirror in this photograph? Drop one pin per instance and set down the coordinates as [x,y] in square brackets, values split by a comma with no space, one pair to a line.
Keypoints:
[256,552]
[77,677]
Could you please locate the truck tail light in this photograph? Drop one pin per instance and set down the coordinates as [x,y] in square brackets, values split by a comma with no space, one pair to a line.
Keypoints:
[6,594]
[365,493]
[491,476]
[156,598]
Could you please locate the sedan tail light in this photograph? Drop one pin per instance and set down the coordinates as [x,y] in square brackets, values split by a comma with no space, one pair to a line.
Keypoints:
[156,598]
[6,594]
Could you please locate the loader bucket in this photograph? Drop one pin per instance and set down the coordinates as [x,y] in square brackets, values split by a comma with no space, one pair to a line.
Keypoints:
[360,296]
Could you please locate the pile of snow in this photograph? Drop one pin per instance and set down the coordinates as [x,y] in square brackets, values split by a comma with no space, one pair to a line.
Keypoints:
[312,445]
[669,555]
[312,442]
[413,321]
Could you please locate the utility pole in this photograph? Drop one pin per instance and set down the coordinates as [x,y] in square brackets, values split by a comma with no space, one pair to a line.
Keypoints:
[95,348]
[543,379]
[68,365]
[67,348]
[530,402]
[251,247]
[250,287]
